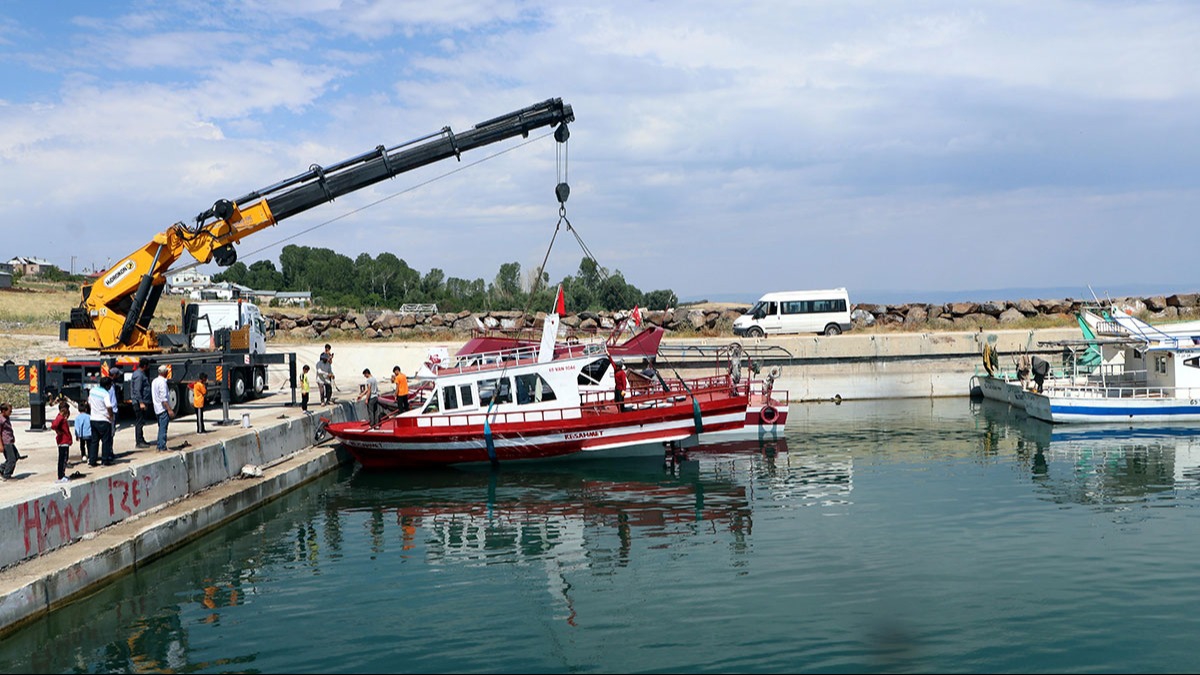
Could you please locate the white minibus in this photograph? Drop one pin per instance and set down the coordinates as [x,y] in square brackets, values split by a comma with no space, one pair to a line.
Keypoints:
[826,311]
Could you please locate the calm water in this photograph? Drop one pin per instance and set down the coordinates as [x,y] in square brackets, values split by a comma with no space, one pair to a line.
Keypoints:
[893,536]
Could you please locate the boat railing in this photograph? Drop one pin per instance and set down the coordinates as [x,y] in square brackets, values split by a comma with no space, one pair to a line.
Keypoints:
[514,356]
[1110,391]
[591,403]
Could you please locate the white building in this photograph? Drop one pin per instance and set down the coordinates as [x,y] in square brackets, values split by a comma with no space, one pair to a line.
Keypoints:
[188,282]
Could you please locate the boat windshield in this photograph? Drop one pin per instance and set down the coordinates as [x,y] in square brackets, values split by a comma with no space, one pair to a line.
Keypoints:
[593,372]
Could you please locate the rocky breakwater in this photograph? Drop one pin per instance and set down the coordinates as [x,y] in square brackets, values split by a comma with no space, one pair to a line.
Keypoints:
[379,324]
[971,315]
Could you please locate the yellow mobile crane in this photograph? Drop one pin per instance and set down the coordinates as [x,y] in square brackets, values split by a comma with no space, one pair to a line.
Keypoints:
[114,313]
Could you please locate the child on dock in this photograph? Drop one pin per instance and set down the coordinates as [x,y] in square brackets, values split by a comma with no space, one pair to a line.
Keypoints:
[62,437]
[83,428]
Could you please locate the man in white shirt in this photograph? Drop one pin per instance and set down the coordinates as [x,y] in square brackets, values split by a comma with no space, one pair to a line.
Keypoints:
[103,415]
[160,396]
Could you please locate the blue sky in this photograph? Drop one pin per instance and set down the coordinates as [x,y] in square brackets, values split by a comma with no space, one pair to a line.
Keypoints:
[719,148]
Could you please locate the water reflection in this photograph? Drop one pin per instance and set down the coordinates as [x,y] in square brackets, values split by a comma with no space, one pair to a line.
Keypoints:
[1098,465]
[546,511]
[594,517]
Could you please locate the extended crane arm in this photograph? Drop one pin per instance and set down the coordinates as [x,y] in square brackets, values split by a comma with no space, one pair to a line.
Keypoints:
[115,312]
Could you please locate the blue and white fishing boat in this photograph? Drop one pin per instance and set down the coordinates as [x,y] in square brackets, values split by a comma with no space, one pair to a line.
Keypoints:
[1147,374]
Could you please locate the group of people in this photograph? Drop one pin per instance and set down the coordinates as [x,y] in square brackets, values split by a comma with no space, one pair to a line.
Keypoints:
[368,390]
[95,424]
[325,380]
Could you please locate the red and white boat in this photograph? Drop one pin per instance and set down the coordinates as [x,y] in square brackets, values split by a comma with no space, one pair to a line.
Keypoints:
[536,403]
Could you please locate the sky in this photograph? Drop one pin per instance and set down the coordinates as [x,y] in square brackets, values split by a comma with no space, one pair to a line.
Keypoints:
[719,150]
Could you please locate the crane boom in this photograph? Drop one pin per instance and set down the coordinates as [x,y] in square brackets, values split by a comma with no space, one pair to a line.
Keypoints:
[115,311]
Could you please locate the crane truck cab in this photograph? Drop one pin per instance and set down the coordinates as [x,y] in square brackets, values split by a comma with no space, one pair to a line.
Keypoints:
[204,322]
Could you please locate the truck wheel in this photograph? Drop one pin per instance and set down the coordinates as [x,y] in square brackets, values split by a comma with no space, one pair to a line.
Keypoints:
[833,329]
[755,332]
[237,388]
[185,401]
[260,381]
[175,400]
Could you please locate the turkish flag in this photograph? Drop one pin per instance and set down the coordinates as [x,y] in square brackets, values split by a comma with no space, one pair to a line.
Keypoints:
[560,303]
[636,315]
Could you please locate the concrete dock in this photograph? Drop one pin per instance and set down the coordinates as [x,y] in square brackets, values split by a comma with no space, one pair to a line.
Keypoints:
[62,541]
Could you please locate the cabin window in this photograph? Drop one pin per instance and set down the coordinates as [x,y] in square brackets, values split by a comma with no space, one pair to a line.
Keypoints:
[450,398]
[593,372]
[814,306]
[1193,362]
[432,406]
[495,389]
[533,388]
[1160,364]
[465,396]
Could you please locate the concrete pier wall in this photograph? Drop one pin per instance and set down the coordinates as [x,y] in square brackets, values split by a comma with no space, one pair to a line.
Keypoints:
[65,539]
[882,365]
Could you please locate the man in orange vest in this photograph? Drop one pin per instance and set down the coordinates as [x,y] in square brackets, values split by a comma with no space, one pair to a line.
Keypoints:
[401,381]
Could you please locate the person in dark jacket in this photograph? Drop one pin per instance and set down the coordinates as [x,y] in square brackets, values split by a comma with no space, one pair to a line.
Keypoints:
[9,441]
[143,407]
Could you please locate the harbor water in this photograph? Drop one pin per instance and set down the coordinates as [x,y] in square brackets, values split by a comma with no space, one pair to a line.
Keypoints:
[901,536]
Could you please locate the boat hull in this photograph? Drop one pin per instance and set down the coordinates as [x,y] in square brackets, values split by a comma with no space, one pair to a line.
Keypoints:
[1091,410]
[424,441]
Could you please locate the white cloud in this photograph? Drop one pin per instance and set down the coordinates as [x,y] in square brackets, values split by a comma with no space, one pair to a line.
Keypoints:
[884,136]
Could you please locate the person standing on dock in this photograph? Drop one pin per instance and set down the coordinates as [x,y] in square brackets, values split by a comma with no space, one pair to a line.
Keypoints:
[62,437]
[100,450]
[160,394]
[83,429]
[9,440]
[139,385]
[370,391]
[304,388]
[324,379]
[199,398]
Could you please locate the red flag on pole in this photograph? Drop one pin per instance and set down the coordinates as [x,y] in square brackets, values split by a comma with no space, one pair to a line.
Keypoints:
[636,315]
[560,303]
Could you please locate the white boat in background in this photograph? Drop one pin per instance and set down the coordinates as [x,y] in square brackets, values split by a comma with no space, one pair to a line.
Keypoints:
[1123,370]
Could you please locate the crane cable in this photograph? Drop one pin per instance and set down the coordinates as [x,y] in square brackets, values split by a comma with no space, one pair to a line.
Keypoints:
[562,191]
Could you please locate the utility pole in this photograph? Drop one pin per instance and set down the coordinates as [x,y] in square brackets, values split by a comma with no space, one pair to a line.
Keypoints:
[73,265]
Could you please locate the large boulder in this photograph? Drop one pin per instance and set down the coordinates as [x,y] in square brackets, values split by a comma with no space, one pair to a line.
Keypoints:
[1026,308]
[1011,315]
[993,307]
[696,319]
[1156,303]
[861,317]
[1183,300]
[916,314]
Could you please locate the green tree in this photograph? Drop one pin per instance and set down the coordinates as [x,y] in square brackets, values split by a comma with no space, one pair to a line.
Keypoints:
[616,294]
[506,287]
[237,273]
[660,299]
[263,276]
